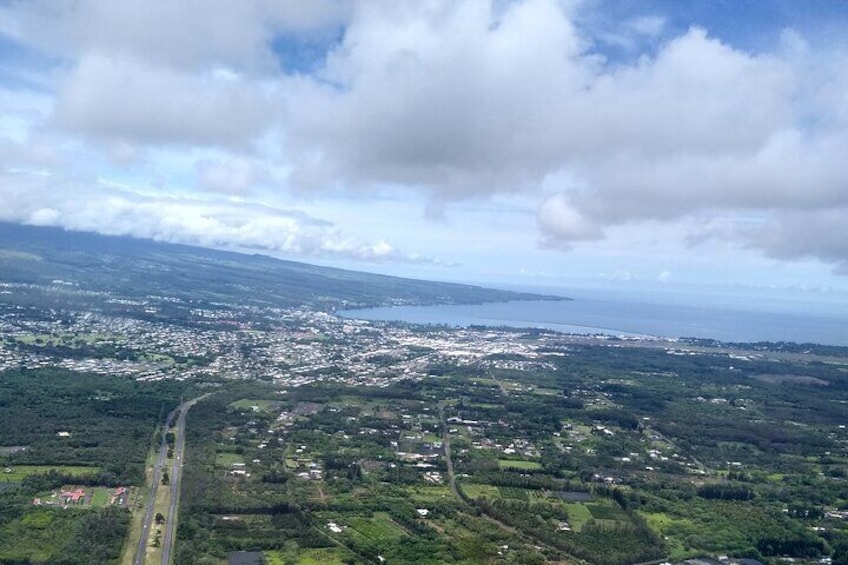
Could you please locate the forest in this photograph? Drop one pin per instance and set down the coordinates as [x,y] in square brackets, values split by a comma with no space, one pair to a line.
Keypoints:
[60,429]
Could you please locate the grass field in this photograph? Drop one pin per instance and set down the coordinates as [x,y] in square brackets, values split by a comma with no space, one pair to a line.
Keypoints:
[101,496]
[578,515]
[520,465]
[378,527]
[247,404]
[68,339]
[228,459]
[607,512]
[484,405]
[16,473]
[306,557]
[514,493]
[423,494]
[475,490]
[661,522]
[546,391]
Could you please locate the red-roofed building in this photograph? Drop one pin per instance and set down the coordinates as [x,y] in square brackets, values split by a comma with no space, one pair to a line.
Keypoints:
[72,495]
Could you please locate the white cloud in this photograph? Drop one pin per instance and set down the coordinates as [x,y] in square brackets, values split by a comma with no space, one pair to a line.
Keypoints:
[796,235]
[112,210]
[122,98]
[458,100]
[234,176]
[464,101]
[190,34]
[562,223]
[44,217]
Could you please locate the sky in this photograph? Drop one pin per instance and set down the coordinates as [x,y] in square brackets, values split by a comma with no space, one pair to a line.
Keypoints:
[526,142]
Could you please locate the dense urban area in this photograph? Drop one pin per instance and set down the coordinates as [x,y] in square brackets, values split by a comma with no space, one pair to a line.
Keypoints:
[153,427]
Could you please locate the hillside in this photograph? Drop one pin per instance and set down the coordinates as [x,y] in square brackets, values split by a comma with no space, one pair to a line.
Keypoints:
[134,269]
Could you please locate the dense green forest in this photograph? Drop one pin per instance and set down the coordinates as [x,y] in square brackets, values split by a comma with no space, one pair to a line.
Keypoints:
[57,429]
[69,418]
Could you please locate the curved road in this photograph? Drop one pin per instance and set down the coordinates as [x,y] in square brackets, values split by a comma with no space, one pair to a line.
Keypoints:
[175,478]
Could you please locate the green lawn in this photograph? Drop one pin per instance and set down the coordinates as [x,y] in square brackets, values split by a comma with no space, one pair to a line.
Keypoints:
[228,459]
[247,404]
[476,490]
[16,473]
[306,557]
[578,515]
[429,494]
[514,493]
[518,464]
[101,496]
[377,528]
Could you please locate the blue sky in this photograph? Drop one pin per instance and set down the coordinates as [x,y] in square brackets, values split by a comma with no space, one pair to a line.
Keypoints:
[634,143]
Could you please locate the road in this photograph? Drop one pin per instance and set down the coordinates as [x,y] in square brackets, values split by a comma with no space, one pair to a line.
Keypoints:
[175,477]
[452,483]
[448,458]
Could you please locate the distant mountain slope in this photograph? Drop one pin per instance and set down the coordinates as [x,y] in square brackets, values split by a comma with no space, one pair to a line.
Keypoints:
[136,268]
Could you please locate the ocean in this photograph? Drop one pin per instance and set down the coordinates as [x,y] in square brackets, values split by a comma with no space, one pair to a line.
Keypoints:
[744,317]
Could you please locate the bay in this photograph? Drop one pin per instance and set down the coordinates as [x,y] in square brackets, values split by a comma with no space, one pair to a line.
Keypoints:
[728,318]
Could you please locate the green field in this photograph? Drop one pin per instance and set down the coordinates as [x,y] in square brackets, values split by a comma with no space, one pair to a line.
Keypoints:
[101,496]
[514,493]
[578,515]
[476,490]
[607,512]
[306,557]
[518,464]
[379,527]
[247,404]
[17,473]
[424,494]
[228,459]
[662,522]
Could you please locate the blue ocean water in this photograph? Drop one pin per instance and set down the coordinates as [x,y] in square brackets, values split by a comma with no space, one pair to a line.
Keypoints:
[728,318]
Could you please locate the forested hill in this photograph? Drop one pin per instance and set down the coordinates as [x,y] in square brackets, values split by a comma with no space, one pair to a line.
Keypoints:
[135,268]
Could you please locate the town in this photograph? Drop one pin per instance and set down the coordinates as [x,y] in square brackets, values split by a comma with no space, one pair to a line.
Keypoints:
[369,436]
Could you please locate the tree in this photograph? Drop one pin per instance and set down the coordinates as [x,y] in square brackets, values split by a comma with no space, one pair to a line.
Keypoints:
[160,519]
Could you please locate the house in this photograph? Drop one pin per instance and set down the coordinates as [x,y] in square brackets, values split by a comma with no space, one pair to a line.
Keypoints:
[72,495]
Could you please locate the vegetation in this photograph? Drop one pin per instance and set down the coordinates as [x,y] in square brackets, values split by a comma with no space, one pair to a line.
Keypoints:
[640,455]
[595,451]
[135,269]
[79,431]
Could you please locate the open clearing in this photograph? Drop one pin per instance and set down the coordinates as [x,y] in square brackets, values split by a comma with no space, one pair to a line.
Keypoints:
[255,405]
[517,464]
[578,515]
[308,557]
[16,473]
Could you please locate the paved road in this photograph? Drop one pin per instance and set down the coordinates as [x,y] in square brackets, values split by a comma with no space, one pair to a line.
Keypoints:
[176,479]
[452,483]
[147,524]
[448,458]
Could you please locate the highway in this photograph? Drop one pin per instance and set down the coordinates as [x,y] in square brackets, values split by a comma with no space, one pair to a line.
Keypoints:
[448,458]
[175,477]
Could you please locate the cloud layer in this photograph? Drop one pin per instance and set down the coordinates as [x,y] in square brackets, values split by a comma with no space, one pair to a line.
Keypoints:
[222,223]
[457,100]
